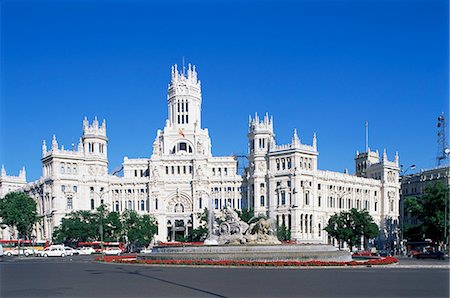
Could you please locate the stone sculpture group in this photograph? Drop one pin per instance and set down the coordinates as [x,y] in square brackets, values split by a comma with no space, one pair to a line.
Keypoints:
[232,230]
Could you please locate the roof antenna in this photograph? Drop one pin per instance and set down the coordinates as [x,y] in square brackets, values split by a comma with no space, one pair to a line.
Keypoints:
[367,136]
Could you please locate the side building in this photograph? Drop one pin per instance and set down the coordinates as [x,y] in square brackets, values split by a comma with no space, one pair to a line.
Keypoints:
[285,183]
[414,185]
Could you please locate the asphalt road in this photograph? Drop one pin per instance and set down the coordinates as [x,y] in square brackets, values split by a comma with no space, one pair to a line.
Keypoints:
[80,277]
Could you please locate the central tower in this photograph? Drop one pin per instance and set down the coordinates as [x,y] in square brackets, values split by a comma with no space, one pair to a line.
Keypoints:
[184,99]
[183,133]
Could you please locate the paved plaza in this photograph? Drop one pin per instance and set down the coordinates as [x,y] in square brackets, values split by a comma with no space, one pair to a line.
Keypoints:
[81,277]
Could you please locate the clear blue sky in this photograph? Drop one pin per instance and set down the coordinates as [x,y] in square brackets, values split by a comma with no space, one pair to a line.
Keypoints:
[318,66]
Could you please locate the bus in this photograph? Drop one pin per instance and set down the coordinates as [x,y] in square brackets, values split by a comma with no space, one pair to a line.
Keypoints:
[97,245]
[23,244]
[415,247]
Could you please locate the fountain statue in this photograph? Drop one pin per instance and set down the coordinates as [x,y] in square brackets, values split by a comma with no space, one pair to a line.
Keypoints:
[232,230]
[230,238]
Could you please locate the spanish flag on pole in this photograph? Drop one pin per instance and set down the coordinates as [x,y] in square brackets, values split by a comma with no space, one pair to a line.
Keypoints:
[180,131]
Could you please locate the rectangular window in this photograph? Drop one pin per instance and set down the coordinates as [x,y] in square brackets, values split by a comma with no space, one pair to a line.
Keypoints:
[262,201]
[200,203]
[69,204]
[216,203]
[319,201]
[283,198]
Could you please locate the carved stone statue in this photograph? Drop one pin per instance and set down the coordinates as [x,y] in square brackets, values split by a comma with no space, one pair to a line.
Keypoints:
[232,230]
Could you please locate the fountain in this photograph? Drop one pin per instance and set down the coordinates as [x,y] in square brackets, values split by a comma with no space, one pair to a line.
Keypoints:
[233,239]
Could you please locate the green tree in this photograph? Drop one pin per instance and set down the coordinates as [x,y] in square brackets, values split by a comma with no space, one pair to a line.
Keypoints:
[201,232]
[246,214]
[78,226]
[113,227]
[351,226]
[18,210]
[431,209]
[364,226]
[283,233]
[139,229]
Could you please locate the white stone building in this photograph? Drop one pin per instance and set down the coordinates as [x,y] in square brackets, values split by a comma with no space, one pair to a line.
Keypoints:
[181,177]
[285,183]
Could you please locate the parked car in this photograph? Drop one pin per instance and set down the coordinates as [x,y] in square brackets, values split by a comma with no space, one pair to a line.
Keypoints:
[112,251]
[70,251]
[55,251]
[25,252]
[86,251]
[430,255]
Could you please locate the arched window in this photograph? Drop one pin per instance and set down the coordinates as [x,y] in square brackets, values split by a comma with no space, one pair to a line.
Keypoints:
[142,205]
[262,201]
[117,206]
[92,204]
[301,223]
[179,208]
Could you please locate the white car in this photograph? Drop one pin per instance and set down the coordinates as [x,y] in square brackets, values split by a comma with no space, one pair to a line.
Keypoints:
[86,251]
[23,251]
[112,251]
[70,251]
[56,251]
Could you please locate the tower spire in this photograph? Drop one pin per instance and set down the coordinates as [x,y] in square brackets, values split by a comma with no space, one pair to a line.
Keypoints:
[367,136]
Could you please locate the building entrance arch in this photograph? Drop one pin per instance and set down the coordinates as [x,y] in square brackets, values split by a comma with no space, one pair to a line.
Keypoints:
[179,215]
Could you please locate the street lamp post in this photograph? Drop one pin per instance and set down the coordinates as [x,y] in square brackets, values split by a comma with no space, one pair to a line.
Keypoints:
[102,210]
[402,205]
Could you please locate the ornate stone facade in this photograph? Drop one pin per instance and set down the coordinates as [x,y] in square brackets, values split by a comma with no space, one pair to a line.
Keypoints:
[181,177]
[285,183]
